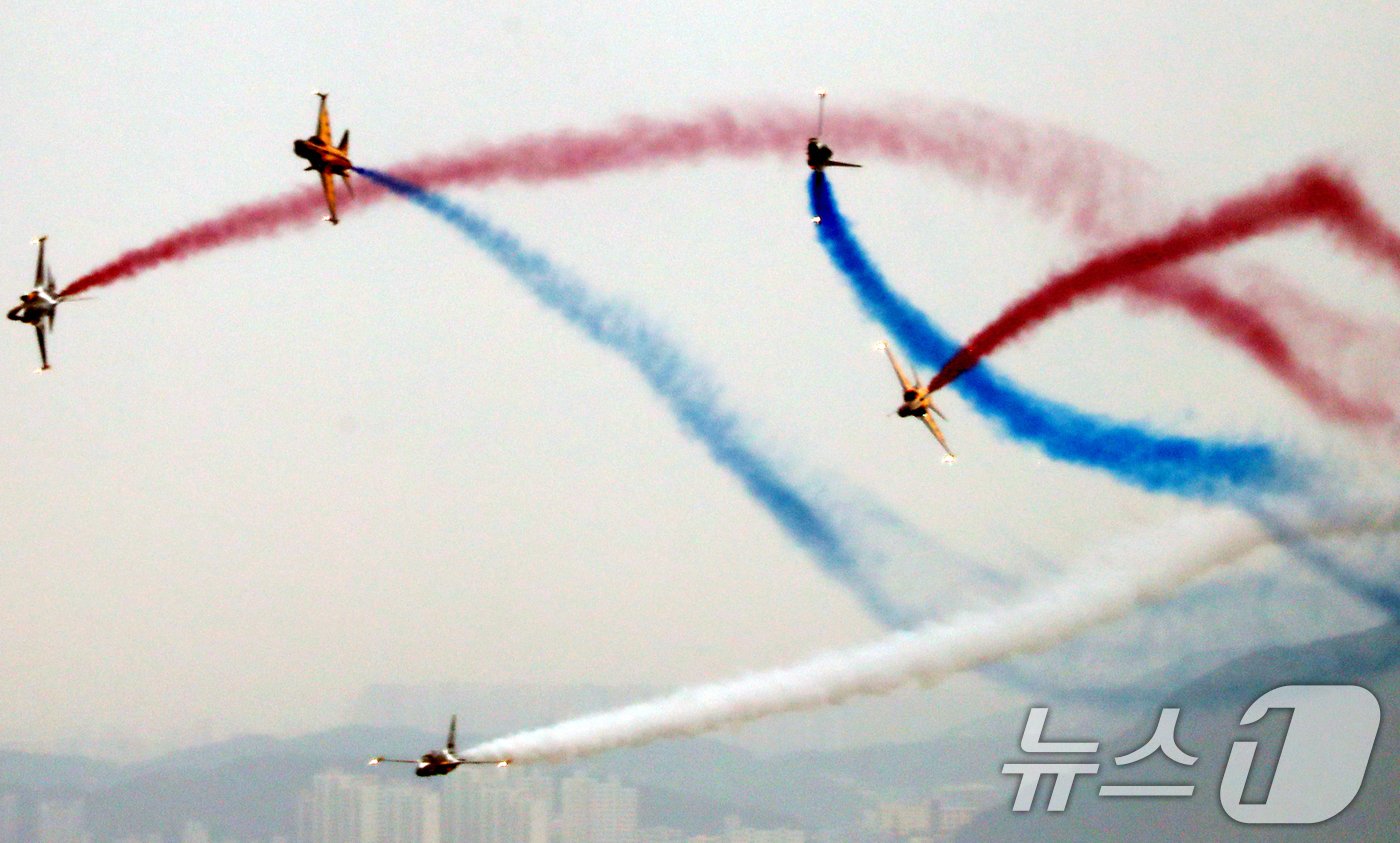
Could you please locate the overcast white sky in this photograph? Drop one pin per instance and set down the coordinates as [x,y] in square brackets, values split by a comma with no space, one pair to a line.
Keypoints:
[262,479]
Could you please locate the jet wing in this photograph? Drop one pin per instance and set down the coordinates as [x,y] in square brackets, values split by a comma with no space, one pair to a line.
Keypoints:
[938,434]
[43,347]
[328,186]
[839,164]
[899,373]
[323,123]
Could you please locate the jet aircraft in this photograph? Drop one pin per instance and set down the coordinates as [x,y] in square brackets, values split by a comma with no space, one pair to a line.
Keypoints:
[439,762]
[917,401]
[330,161]
[38,306]
[818,153]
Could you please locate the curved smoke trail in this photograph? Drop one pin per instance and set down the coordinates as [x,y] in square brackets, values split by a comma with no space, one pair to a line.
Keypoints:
[825,533]
[1312,194]
[1239,473]
[1139,570]
[1060,175]
[1256,321]
[1097,191]
[1132,453]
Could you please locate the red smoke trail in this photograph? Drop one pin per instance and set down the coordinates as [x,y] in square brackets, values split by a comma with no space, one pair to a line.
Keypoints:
[1312,194]
[1245,325]
[1351,355]
[1097,191]
[245,222]
[1058,173]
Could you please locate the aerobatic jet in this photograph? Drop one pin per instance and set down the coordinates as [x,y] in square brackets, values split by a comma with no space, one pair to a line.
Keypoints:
[330,161]
[818,153]
[38,306]
[917,401]
[439,762]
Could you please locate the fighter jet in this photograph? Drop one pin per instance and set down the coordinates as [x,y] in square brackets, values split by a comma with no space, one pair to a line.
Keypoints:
[439,762]
[329,161]
[38,306]
[917,401]
[818,153]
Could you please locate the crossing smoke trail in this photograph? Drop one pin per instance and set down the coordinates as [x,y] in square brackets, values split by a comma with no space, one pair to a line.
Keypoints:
[1150,460]
[1095,190]
[1236,472]
[1134,571]
[1313,194]
[691,397]
[1345,361]
[1307,362]
[689,392]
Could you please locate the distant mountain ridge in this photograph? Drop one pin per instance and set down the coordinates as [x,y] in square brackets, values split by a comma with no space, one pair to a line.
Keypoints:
[247,786]
[1211,707]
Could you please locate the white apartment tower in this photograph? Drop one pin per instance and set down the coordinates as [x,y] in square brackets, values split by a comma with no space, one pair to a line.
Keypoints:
[597,812]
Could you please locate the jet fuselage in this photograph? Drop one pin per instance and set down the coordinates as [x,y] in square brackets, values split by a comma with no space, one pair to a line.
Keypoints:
[322,158]
[916,403]
[32,309]
[436,764]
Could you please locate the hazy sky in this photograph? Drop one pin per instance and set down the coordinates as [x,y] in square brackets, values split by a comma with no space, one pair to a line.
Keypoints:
[261,479]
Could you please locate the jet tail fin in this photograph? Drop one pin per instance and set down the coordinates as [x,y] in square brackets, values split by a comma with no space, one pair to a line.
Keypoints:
[345,142]
[452,735]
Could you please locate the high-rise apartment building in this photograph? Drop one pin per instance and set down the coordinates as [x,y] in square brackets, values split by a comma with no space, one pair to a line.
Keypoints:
[596,812]
[497,806]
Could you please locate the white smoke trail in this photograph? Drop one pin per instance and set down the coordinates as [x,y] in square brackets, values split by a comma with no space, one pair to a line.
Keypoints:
[1143,568]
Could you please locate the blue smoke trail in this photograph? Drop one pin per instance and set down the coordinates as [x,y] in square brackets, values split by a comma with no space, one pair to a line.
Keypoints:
[691,396]
[1156,462]
[1368,590]
[681,383]
[1135,454]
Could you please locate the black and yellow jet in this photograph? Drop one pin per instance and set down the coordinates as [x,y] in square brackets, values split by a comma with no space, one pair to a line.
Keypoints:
[917,402]
[38,306]
[439,762]
[819,154]
[330,161]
